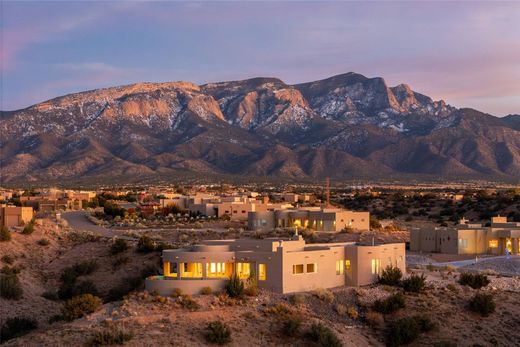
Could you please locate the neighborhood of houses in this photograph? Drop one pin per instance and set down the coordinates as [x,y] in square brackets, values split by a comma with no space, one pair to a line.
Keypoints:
[282,265]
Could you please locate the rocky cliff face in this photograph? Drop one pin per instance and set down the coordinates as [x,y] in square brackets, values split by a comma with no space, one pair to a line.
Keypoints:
[344,126]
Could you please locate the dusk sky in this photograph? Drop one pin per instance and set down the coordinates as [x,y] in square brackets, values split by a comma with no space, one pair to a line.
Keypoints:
[466,53]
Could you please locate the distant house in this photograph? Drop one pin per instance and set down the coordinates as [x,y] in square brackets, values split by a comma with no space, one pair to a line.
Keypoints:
[469,238]
[13,216]
[315,218]
[280,265]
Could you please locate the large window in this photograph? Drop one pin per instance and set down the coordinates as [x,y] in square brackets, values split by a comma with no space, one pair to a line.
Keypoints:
[376,266]
[339,267]
[311,268]
[493,243]
[243,270]
[262,272]
[347,264]
[216,270]
[297,269]
[191,270]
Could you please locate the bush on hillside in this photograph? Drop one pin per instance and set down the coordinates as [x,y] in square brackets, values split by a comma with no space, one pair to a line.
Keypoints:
[475,281]
[118,246]
[145,244]
[291,326]
[10,286]
[235,287]
[29,228]
[5,234]
[43,242]
[483,304]
[80,306]
[16,327]
[389,305]
[323,336]
[414,283]
[111,337]
[391,276]
[218,332]
[405,330]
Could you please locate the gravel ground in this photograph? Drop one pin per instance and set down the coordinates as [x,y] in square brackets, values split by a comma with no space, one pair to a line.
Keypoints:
[503,266]
[415,259]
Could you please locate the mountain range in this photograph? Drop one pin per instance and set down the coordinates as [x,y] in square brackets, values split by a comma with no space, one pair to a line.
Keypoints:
[346,126]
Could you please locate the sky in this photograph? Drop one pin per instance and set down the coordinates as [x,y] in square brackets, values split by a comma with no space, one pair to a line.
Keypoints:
[467,53]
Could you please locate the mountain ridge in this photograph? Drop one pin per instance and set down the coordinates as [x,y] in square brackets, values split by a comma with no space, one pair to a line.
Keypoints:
[344,126]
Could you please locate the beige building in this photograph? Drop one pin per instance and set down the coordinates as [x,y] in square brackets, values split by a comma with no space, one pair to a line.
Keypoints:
[280,265]
[13,216]
[500,237]
[315,218]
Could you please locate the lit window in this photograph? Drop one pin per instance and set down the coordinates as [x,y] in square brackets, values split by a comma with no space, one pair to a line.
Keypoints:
[311,268]
[376,265]
[243,270]
[493,243]
[191,270]
[347,264]
[339,267]
[262,272]
[297,269]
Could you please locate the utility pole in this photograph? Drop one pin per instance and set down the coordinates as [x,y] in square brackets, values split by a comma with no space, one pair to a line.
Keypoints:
[327,192]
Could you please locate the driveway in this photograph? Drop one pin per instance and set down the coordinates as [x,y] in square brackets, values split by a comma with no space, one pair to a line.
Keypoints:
[78,220]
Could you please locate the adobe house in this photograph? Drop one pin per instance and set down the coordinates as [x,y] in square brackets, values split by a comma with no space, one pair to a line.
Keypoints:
[315,218]
[13,216]
[469,238]
[280,265]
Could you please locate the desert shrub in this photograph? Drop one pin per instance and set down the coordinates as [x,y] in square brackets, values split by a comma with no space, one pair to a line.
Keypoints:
[85,287]
[176,293]
[6,270]
[7,259]
[10,286]
[118,246]
[279,309]
[414,283]
[352,313]
[298,299]
[324,295]
[111,337]
[251,287]
[28,228]
[206,291]
[291,326]
[218,332]
[145,244]
[187,302]
[374,319]
[5,234]
[43,242]
[340,309]
[452,288]
[235,287]
[126,285]
[16,327]
[483,304]
[80,306]
[475,281]
[120,260]
[391,276]
[390,304]
[323,336]
[405,330]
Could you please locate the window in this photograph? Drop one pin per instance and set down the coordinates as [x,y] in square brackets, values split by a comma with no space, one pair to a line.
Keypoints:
[217,270]
[311,268]
[297,269]
[243,270]
[243,211]
[347,264]
[376,265]
[339,267]
[463,243]
[262,272]
[234,211]
[493,243]
[191,270]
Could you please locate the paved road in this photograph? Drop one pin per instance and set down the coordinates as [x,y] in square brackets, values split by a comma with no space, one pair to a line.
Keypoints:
[79,221]
[461,263]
